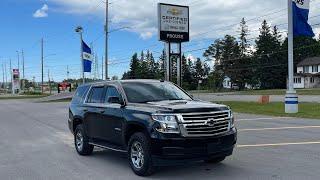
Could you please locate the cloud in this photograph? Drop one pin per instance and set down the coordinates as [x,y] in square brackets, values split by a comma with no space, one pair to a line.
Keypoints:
[42,12]
[209,19]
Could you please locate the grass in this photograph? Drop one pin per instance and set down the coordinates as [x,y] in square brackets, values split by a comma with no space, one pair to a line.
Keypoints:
[58,101]
[263,92]
[21,97]
[279,92]
[306,110]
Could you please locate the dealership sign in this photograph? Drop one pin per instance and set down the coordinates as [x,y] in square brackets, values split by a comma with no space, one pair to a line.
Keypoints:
[15,79]
[173,23]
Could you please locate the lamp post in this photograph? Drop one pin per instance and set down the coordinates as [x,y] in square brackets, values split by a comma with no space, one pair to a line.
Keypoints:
[79,30]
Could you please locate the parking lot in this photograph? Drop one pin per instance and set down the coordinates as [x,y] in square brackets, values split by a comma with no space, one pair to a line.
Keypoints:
[35,143]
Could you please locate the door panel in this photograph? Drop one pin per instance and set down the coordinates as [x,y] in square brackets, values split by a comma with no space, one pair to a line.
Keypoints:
[92,116]
[113,121]
[112,118]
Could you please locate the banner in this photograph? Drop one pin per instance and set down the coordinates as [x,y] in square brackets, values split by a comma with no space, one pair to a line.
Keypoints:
[87,57]
[300,11]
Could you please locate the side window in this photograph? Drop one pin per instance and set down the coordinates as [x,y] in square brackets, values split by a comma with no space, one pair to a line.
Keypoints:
[95,95]
[111,92]
[78,96]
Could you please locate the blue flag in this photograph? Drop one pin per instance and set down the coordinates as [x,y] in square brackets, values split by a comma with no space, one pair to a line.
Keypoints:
[300,11]
[87,57]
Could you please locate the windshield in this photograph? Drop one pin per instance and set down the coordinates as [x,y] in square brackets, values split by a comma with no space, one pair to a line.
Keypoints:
[140,92]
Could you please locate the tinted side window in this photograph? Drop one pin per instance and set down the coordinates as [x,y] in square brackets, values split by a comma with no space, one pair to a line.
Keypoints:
[111,92]
[79,95]
[95,95]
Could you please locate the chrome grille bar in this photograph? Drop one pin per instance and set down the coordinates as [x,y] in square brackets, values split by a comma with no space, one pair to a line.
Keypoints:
[205,123]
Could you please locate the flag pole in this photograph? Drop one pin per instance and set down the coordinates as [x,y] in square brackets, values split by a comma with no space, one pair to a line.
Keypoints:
[79,30]
[291,100]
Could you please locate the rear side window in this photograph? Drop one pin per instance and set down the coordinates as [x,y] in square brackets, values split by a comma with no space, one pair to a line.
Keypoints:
[111,92]
[95,95]
[79,95]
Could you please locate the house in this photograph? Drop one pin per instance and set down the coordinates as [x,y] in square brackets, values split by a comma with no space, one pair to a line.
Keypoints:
[308,74]
[227,83]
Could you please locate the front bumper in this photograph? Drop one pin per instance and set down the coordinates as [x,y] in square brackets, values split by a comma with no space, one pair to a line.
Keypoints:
[181,149]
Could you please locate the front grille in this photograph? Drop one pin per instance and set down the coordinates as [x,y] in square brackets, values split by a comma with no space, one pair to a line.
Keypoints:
[205,123]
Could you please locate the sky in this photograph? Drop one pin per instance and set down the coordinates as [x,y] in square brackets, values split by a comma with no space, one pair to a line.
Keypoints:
[25,22]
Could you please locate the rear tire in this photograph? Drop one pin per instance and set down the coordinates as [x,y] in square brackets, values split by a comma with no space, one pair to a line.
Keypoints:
[81,141]
[139,155]
[215,160]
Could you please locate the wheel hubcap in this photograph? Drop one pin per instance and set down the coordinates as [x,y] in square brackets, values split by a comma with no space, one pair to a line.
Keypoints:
[137,155]
[79,141]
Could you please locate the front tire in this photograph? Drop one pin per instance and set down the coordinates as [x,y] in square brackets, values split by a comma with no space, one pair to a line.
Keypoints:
[139,155]
[81,141]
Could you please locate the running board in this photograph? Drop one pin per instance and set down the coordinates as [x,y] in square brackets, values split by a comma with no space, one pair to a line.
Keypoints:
[108,146]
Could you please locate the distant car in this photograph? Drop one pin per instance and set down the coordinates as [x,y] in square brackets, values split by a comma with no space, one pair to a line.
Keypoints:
[154,122]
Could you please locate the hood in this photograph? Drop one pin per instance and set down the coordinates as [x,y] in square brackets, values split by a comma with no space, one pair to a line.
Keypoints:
[183,106]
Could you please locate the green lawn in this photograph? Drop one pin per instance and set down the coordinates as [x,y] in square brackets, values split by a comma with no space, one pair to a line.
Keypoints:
[279,92]
[306,110]
[263,92]
[22,97]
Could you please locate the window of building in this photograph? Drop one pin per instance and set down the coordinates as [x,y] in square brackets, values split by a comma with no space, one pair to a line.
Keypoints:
[312,80]
[315,68]
[306,69]
[297,80]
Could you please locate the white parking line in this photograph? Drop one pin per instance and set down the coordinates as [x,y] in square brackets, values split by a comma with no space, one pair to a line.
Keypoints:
[258,119]
[277,144]
[279,128]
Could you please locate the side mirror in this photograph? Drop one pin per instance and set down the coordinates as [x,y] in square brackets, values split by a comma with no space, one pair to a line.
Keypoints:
[114,100]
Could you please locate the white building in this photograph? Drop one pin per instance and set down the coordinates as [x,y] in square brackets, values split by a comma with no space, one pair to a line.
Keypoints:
[227,83]
[308,74]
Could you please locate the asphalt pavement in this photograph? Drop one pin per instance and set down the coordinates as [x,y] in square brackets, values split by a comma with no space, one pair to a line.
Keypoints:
[35,143]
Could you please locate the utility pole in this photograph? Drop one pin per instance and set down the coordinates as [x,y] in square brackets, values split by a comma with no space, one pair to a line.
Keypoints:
[107,38]
[18,60]
[49,82]
[42,66]
[68,72]
[6,73]
[291,100]
[12,89]
[102,68]
[22,53]
[23,80]
[3,76]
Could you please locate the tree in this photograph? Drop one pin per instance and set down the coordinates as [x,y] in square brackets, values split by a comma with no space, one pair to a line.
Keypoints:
[262,56]
[244,75]
[134,67]
[230,63]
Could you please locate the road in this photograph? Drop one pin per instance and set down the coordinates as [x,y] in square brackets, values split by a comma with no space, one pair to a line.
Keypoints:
[35,143]
[250,98]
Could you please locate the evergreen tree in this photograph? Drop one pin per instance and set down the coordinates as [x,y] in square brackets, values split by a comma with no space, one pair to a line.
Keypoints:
[134,67]
[262,58]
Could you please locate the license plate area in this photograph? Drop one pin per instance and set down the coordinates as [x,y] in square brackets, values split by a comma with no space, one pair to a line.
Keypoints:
[213,147]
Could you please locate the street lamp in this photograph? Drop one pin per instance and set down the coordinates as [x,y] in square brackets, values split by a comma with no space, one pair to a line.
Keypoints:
[79,30]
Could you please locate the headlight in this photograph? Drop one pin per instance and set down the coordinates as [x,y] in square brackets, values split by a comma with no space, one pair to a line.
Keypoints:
[231,119]
[168,123]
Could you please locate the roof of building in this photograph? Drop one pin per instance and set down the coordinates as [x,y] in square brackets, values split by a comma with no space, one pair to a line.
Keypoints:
[310,61]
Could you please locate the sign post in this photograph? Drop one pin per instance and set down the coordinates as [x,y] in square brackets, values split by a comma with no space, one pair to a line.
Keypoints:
[291,99]
[173,29]
[15,81]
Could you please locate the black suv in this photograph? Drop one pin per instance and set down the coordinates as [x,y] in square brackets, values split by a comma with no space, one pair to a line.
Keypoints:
[154,122]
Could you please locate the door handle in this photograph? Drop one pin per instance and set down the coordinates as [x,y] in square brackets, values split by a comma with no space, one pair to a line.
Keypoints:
[85,110]
[102,111]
